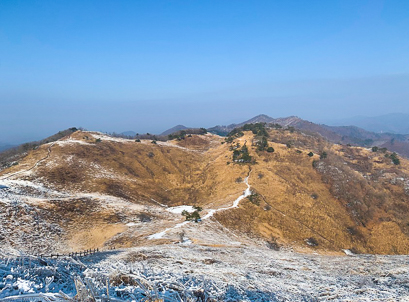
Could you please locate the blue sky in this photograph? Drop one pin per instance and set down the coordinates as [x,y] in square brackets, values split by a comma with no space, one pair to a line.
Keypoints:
[149,65]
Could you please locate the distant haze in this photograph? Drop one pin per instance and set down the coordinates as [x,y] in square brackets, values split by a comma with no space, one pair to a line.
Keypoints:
[146,66]
[389,123]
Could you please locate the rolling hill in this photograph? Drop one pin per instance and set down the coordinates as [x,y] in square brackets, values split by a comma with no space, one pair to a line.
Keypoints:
[337,134]
[88,190]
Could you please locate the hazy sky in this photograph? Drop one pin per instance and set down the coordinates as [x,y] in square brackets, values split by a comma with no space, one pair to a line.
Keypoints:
[149,65]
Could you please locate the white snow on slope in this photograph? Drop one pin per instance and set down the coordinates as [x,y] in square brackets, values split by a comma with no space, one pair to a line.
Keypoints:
[71,141]
[236,203]
[161,234]
[180,209]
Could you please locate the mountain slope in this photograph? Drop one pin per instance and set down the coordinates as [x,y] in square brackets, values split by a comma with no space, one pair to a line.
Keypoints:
[90,190]
[336,134]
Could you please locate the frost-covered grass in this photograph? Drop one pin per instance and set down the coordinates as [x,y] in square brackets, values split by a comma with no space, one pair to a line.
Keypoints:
[191,272]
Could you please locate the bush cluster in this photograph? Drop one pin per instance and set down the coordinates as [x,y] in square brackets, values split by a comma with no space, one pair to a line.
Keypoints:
[193,216]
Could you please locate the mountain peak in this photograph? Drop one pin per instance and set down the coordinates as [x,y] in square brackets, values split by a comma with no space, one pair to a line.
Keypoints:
[261,118]
[174,129]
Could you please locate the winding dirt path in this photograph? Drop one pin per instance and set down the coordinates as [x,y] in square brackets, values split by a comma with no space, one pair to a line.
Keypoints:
[211,212]
[35,165]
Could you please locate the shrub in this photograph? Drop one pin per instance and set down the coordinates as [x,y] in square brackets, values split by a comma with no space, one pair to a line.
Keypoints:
[153,142]
[254,198]
[273,244]
[98,140]
[314,196]
[311,241]
[262,144]
[310,154]
[323,155]
[138,140]
[270,149]
[394,158]
[144,217]
[193,216]
[242,155]
[375,149]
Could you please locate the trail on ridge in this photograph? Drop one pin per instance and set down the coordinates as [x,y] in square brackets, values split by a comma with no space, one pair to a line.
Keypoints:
[211,212]
[35,165]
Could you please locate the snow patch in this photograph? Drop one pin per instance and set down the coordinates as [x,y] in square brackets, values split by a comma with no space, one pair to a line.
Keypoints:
[163,233]
[236,203]
[348,253]
[24,286]
[180,209]
[66,142]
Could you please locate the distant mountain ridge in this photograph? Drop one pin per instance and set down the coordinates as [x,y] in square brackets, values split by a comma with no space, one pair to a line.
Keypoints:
[4,146]
[128,133]
[337,134]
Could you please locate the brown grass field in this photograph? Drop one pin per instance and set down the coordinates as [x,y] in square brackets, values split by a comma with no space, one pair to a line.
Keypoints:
[352,199]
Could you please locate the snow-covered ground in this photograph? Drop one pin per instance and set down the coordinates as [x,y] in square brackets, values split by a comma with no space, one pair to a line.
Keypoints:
[180,272]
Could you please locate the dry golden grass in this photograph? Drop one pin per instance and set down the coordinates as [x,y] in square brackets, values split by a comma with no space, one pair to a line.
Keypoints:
[93,237]
[300,202]
[353,199]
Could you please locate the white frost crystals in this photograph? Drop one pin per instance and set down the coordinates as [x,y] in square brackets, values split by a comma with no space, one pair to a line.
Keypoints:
[243,273]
